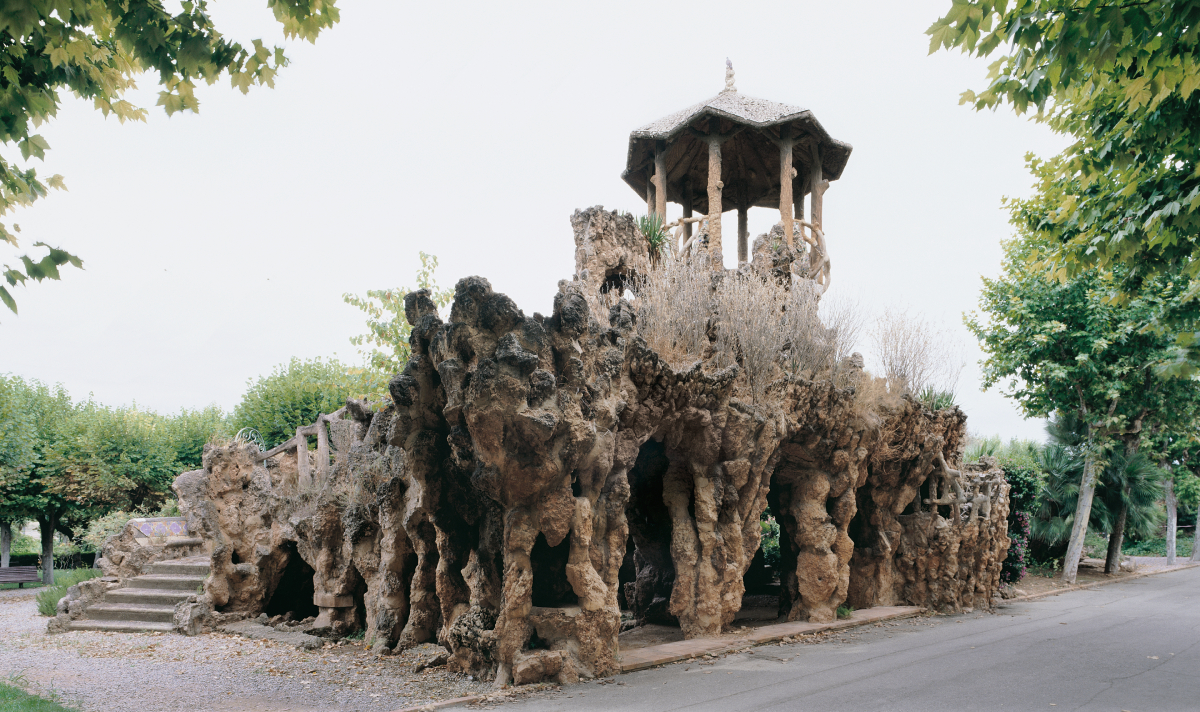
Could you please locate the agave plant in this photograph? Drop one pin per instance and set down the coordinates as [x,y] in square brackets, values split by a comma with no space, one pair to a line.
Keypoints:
[651,227]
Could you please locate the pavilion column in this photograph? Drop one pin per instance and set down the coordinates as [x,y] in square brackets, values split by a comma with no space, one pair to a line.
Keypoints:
[715,187]
[650,191]
[786,175]
[660,181]
[687,207]
[743,232]
[817,186]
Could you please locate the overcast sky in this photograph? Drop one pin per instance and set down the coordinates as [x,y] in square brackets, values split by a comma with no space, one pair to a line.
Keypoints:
[219,244]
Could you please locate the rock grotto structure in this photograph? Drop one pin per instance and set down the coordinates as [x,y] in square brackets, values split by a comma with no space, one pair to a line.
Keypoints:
[534,475]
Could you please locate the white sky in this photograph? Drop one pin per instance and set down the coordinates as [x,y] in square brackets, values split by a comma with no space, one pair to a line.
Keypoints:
[218,245]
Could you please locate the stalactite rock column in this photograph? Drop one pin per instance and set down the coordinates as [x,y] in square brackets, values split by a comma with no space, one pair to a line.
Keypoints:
[786,174]
[715,187]
[660,182]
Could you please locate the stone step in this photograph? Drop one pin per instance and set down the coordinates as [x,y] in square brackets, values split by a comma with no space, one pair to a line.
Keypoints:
[147,596]
[139,613]
[181,567]
[171,582]
[122,626]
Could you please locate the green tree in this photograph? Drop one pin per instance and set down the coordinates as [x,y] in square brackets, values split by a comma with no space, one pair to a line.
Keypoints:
[190,430]
[294,395]
[387,327]
[26,482]
[1063,347]
[94,49]
[1121,79]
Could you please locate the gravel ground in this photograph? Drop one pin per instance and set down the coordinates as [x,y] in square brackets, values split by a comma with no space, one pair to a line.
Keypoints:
[149,672]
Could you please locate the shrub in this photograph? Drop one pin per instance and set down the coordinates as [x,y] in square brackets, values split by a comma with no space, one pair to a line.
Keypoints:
[915,355]
[675,305]
[770,541]
[1023,487]
[48,597]
[294,395]
[844,612]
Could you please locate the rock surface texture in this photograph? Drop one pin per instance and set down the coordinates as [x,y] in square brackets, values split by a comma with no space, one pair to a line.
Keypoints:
[490,506]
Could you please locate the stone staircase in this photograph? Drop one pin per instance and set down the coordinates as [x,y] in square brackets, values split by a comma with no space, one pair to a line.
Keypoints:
[147,602]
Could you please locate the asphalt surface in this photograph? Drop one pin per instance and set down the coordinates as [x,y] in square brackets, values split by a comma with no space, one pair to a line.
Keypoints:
[1128,646]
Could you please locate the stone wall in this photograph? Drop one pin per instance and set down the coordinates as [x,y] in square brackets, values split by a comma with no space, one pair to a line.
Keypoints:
[490,506]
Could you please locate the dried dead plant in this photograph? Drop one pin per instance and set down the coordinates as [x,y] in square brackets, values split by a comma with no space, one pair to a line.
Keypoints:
[915,355]
[674,305]
[751,328]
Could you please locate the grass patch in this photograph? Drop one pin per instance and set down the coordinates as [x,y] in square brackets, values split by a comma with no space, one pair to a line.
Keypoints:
[844,612]
[34,584]
[1157,547]
[14,699]
[47,598]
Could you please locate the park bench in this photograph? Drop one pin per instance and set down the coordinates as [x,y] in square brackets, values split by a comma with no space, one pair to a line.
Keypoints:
[19,575]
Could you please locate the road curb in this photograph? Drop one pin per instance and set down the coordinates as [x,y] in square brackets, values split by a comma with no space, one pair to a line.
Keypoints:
[443,704]
[655,655]
[1093,584]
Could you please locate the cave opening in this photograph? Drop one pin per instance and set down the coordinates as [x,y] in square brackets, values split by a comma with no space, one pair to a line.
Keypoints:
[551,589]
[647,583]
[294,592]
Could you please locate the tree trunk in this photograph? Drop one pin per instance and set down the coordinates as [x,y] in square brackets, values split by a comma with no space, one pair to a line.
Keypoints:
[47,525]
[1112,562]
[1172,517]
[5,543]
[1083,512]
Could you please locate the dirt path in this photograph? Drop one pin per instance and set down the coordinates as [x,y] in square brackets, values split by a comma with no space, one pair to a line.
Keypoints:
[149,672]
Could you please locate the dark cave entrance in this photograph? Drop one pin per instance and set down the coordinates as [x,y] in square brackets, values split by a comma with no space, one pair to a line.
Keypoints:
[294,592]
[649,571]
[551,589]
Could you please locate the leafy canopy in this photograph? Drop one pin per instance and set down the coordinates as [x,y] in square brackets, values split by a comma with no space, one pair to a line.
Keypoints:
[387,327]
[295,394]
[95,49]
[1121,78]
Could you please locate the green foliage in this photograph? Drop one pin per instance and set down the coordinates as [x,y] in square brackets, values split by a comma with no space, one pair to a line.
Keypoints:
[845,612]
[934,399]
[73,462]
[295,394]
[1121,79]
[191,430]
[14,699]
[651,227]
[387,326]
[1132,481]
[101,528]
[1158,547]
[24,544]
[48,597]
[95,50]
[1017,453]
[770,540]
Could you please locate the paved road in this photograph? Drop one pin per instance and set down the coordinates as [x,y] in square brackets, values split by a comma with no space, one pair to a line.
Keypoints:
[1129,646]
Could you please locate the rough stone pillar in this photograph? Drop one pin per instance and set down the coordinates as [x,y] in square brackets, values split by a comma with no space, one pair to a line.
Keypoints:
[660,181]
[649,190]
[743,234]
[715,187]
[786,174]
[687,207]
[817,184]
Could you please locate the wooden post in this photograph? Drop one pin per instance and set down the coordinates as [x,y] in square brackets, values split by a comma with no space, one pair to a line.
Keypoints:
[649,190]
[786,175]
[322,450]
[743,234]
[660,181]
[715,187]
[817,186]
[303,477]
[687,207]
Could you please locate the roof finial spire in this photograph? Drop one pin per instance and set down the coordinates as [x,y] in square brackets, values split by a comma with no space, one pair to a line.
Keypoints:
[729,76]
